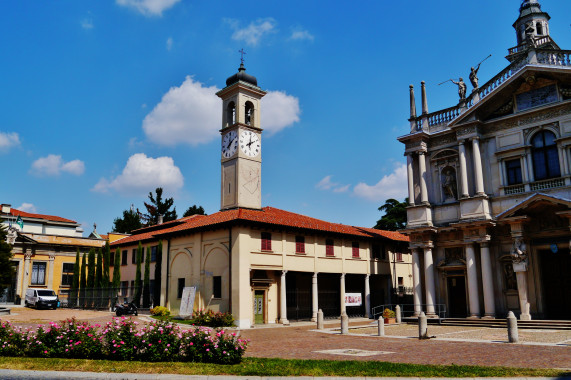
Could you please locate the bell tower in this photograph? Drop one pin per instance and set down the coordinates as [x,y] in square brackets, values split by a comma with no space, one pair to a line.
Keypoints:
[532,22]
[241,150]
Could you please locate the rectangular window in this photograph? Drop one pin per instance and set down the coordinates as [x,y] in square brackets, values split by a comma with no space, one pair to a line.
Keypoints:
[124,257]
[112,259]
[134,257]
[355,248]
[217,286]
[399,256]
[513,171]
[180,288]
[154,253]
[300,244]
[67,274]
[38,273]
[266,241]
[376,251]
[133,287]
[329,250]
[124,288]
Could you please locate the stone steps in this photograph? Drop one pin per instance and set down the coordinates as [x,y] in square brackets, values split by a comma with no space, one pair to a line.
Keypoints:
[498,323]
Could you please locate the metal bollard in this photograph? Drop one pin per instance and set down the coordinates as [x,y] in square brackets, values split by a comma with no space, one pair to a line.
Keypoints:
[398,314]
[344,324]
[422,326]
[513,335]
[381,325]
[320,319]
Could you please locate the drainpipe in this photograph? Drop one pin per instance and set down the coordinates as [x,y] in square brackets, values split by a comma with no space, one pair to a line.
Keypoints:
[230,269]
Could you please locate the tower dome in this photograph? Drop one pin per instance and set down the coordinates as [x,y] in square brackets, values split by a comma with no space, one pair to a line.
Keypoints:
[241,76]
[532,23]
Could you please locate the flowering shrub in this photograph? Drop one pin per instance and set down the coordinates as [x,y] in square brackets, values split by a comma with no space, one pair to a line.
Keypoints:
[122,339]
[388,313]
[160,311]
[212,319]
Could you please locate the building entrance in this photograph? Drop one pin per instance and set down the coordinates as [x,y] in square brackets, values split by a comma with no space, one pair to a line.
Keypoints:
[259,306]
[556,283]
[456,296]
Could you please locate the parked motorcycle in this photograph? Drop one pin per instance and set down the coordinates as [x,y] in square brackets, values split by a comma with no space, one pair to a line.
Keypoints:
[126,308]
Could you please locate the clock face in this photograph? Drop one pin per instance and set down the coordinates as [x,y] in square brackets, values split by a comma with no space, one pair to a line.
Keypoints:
[250,143]
[229,144]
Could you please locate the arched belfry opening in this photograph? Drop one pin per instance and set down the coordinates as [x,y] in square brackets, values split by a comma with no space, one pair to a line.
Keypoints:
[231,114]
[249,113]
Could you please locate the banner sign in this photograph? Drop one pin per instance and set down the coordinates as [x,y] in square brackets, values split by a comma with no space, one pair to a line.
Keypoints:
[353,299]
[187,300]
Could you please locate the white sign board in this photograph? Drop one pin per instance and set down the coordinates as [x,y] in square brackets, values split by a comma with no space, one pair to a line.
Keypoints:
[353,299]
[187,301]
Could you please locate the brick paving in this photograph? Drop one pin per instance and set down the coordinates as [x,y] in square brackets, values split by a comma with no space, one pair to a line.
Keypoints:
[299,341]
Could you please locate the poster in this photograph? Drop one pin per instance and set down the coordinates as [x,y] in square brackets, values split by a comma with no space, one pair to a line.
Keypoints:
[353,299]
[187,300]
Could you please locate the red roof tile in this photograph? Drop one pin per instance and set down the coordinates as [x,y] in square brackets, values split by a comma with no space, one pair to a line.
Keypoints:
[268,215]
[52,218]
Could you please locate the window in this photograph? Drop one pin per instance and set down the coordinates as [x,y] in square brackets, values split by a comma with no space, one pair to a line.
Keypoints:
[513,171]
[329,250]
[300,244]
[112,259]
[154,253]
[124,257]
[249,108]
[539,28]
[134,257]
[67,274]
[133,287]
[124,287]
[266,241]
[355,249]
[38,273]
[398,256]
[378,251]
[217,286]
[180,288]
[545,156]
[231,114]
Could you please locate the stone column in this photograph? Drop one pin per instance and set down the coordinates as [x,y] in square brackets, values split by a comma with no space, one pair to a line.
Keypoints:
[429,281]
[410,176]
[473,294]
[422,166]
[502,170]
[524,170]
[522,293]
[416,287]
[487,281]
[530,167]
[314,297]
[342,286]
[27,269]
[463,170]
[367,297]
[283,303]
[478,166]
[50,279]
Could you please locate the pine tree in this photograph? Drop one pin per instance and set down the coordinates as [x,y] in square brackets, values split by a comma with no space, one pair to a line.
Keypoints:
[82,281]
[105,281]
[117,271]
[137,296]
[98,279]
[6,268]
[158,268]
[75,281]
[147,280]
[90,277]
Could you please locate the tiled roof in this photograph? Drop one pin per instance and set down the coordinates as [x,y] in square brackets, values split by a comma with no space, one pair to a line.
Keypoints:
[268,215]
[52,218]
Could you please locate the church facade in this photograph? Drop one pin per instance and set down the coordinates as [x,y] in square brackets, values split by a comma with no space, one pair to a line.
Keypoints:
[263,264]
[489,184]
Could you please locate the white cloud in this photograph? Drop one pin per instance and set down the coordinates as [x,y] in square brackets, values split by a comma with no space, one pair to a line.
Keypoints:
[301,35]
[143,174]
[393,185]
[8,140]
[27,207]
[279,110]
[148,7]
[190,114]
[87,24]
[327,184]
[54,165]
[253,33]
[169,44]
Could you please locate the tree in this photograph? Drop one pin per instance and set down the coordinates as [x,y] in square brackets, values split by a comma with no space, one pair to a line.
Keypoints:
[90,276]
[395,215]
[117,271]
[147,279]
[75,281]
[158,207]
[137,290]
[6,268]
[158,268]
[130,221]
[106,258]
[194,210]
[82,281]
[98,278]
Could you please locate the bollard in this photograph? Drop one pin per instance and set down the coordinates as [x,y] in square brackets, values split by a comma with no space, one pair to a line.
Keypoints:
[381,323]
[344,324]
[320,319]
[513,335]
[422,326]
[398,314]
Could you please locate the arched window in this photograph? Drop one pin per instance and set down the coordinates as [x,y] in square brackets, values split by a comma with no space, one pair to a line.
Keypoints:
[231,114]
[249,108]
[539,28]
[545,156]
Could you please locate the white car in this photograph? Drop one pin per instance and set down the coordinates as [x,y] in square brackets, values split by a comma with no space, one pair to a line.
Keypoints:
[41,298]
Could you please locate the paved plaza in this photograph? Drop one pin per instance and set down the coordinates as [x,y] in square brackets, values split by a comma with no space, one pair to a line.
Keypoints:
[451,345]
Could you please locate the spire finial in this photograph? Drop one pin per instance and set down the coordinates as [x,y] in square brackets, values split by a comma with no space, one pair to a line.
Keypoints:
[242,52]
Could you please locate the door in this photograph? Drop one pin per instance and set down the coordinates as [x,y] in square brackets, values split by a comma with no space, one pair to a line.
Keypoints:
[259,307]
[556,281]
[456,297]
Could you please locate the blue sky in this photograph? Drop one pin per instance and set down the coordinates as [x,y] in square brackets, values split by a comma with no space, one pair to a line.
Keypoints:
[102,101]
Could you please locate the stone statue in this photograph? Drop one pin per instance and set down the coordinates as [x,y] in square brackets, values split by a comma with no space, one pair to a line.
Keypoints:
[11,235]
[449,183]
[509,275]
[474,75]
[519,251]
[461,88]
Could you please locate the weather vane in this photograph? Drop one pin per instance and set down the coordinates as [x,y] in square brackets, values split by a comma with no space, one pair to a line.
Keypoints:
[242,52]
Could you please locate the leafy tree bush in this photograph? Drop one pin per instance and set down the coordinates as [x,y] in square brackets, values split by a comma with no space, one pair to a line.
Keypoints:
[212,319]
[147,280]
[395,215]
[160,311]
[117,270]
[158,268]
[129,222]
[83,281]
[137,295]
[6,268]
[75,281]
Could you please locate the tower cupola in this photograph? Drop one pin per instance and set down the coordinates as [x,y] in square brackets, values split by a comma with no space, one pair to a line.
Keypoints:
[532,22]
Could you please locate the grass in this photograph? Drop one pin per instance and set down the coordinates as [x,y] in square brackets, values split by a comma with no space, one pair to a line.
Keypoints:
[276,367]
